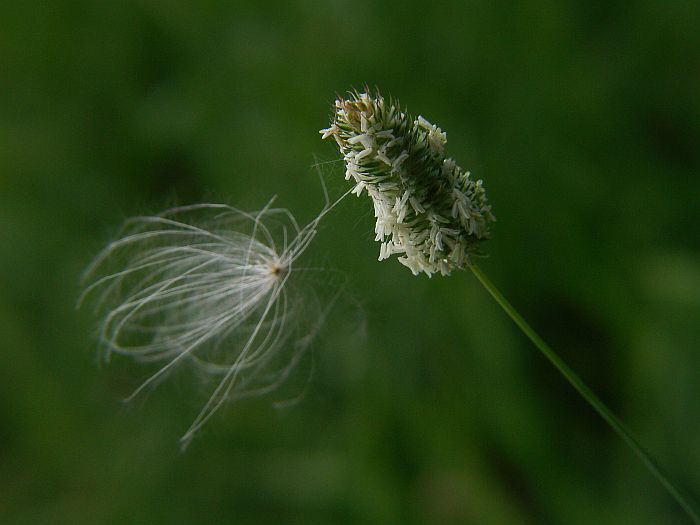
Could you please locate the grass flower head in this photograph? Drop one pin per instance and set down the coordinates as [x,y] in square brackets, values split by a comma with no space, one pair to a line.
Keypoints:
[428,210]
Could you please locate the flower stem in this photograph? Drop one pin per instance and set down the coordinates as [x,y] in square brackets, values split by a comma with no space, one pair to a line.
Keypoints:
[593,400]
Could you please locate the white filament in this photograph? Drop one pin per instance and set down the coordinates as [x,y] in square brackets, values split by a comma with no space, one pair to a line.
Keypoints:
[207,285]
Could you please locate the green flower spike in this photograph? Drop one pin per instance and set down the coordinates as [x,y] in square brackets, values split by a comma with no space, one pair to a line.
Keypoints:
[428,209]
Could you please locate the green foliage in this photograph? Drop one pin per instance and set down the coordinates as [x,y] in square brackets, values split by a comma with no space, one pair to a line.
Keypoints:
[582,117]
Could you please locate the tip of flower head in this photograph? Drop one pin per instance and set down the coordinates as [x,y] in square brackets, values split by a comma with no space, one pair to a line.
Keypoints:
[428,210]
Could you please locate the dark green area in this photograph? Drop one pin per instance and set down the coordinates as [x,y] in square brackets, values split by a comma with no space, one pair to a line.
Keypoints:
[583,118]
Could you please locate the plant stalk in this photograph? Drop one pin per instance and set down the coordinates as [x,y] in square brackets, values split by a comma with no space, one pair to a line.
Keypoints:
[601,408]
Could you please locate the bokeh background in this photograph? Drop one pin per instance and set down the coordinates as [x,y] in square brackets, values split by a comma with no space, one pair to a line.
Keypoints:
[425,404]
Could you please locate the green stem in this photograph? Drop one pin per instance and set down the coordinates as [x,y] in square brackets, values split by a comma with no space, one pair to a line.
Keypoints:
[587,394]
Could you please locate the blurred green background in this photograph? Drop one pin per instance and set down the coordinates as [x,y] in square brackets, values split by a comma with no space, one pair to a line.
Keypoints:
[583,118]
